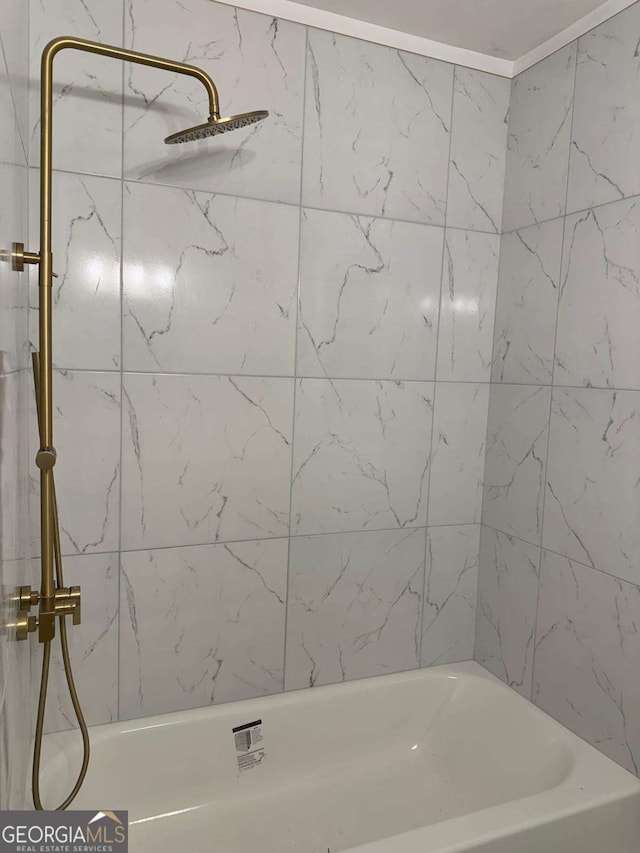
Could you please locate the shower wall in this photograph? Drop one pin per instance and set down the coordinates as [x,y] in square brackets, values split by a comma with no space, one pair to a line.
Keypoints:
[272,352]
[559,585]
[15,567]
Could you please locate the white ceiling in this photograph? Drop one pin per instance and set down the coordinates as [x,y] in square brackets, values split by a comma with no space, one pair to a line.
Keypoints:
[501,36]
[504,28]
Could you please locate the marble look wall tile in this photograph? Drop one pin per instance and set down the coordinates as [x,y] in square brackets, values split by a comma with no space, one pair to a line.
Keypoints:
[211,286]
[369,306]
[587,650]
[87,93]
[478,150]
[606,125]
[86,257]
[13,286]
[514,467]
[592,502]
[507,600]
[527,305]
[205,458]
[457,459]
[599,298]
[93,646]
[201,625]
[450,592]
[361,455]
[377,125]
[355,601]
[14,527]
[469,284]
[256,61]
[86,429]
[539,139]
[14,54]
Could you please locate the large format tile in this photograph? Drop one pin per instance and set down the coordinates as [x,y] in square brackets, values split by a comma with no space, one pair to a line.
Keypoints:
[515,461]
[450,592]
[478,150]
[256,61]
[210,285]
[605,164]
[469,284]
[587,649]
[13,285]
[361,455]
[377,125]
[369,306]
[86,433]
[201,625]
[86,257]
[592,503]
[205,458]
[87,93]
[527,305]
[457,458]
[93,646]
[507,601]
[354,606]
[539,139]
[599,313]
[14,519]
[14,53]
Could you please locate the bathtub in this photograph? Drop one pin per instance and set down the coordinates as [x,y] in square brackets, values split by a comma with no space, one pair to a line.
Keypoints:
[431,761]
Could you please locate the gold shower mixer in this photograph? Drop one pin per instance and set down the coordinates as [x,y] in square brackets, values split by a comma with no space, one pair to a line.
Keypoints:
[66,601]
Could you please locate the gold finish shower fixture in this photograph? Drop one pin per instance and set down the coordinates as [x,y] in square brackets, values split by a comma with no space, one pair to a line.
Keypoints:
[54,602]
[54,599]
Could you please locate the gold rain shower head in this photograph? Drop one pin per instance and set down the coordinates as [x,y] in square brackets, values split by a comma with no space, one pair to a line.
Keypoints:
[215,126]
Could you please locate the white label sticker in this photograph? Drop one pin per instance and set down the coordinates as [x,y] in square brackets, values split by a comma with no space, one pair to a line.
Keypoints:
[248,740]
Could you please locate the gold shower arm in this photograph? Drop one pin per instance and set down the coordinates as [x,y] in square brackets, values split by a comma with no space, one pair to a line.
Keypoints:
[50,604]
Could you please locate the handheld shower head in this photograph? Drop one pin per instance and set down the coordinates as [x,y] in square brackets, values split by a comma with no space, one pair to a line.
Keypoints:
[215,126]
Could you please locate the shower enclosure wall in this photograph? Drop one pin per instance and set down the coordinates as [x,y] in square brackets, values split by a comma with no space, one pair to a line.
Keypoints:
[276,365]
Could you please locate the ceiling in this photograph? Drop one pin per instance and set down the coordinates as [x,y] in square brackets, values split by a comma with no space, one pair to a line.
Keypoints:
[503,28]
[500,36]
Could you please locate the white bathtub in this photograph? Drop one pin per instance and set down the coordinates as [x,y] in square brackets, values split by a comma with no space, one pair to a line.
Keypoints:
[433,761]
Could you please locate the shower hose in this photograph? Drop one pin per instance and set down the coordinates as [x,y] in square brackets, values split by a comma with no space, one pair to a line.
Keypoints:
[46,662]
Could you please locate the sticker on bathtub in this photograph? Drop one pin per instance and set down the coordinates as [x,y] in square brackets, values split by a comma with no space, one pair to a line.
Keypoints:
[247,740]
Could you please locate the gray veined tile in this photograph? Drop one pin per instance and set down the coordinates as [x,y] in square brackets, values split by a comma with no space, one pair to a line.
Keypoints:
[539,140]
[599,312]
[86,257]
[605,165]
[354,606]
[507,601]
[201,625]
[205,459]
[361,455]
[458,453]
[587,651]
[14,349]
[377,125]
[514,477]
[14,462]
[86,431]
[210,285]
[257,62]
[527,304]
[87,94]
[369,305]
[592,500]
[93,646]
[450,593]
[478,150]
[467,311]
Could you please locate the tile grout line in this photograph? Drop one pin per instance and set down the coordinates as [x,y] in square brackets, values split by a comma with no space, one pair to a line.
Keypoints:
[435,372]
[553,373]
[122,239]
[295,354]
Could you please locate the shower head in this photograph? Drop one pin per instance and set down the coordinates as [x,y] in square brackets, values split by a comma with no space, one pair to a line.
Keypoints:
[215,126]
